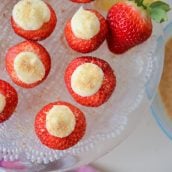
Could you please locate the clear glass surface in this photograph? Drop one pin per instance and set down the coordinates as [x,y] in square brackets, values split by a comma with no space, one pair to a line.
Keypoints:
[138,72]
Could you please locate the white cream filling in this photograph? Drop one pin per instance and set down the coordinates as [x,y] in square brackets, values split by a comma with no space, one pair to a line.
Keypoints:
[60,121]
[28,67]
[2,102]
[85,24]
[31,14]
[87,79]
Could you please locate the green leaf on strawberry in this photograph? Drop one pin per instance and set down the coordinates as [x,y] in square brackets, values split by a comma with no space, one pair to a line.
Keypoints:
[158,15]
[160,5]
[158,11]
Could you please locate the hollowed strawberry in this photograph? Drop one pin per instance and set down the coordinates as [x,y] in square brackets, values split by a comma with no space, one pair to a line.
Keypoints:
[90,81]
[86,31]
[8,100]
[33,20]
[60,125]
[28,64]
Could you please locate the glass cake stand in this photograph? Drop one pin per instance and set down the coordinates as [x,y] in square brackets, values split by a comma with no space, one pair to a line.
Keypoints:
[138,73]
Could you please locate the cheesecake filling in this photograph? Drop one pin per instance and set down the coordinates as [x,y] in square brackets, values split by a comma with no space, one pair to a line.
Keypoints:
[60,121]
[31,14]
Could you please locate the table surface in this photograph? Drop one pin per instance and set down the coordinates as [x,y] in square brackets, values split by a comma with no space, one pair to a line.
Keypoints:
[147,149]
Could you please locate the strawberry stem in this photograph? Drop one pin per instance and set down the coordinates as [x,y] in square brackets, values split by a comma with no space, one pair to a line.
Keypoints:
[158,11]
[139,2]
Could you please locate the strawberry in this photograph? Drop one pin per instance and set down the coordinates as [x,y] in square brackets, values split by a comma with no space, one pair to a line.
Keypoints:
[130,23]
[86,41]
[90,81]
[37,34]
[81,1]
[28,64]
[8,100]
[60,125]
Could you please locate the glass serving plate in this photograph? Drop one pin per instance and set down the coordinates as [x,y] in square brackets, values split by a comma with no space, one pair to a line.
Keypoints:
[138,72]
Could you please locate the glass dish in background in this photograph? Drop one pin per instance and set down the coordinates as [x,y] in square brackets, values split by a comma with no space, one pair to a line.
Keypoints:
[157,108]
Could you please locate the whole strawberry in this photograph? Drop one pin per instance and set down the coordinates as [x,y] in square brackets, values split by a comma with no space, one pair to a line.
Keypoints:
[130,23]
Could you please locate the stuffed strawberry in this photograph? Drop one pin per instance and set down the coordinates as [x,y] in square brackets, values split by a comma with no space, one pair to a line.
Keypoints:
[60,125]
[82,1]
[130,23]
[33,19]
[86,31]
[28,64]
[8,100]
[90,80]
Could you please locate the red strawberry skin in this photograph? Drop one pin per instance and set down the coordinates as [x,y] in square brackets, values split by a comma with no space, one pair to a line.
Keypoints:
[11,100]
[107,88]
[128,27]
[86,46]
[29,46]
[82,1]
[56,142]
[37,35]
